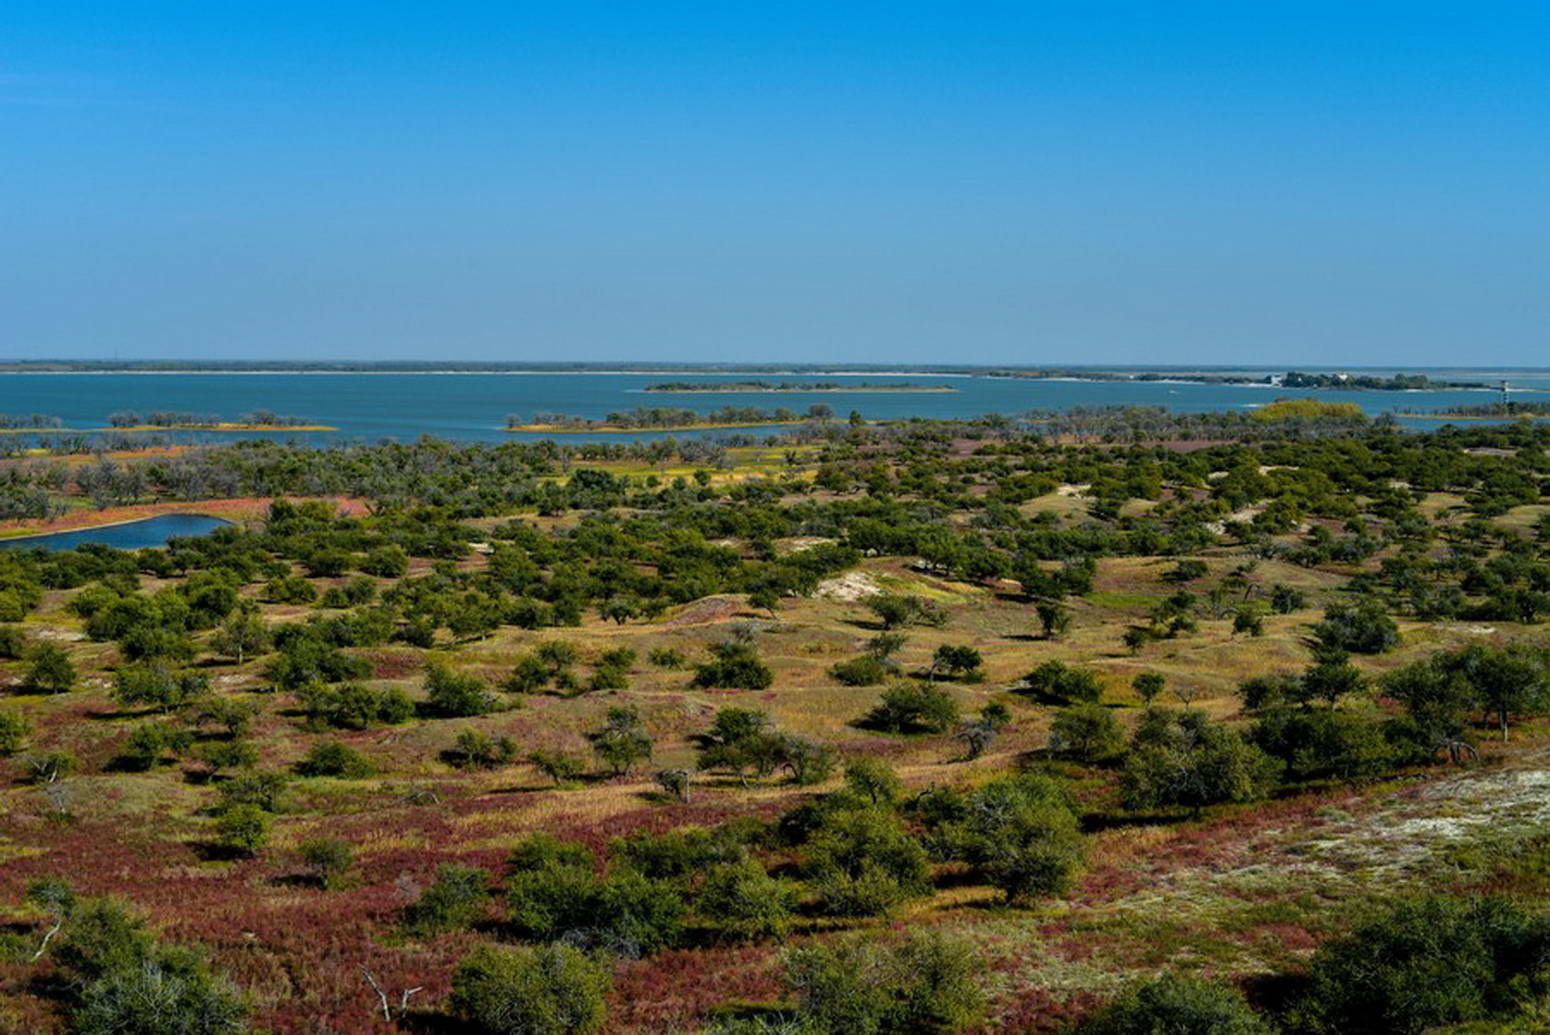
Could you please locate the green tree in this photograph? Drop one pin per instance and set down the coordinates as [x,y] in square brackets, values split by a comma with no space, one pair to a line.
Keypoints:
[49,670]
[1178,1006]
[549,990]
[622,742]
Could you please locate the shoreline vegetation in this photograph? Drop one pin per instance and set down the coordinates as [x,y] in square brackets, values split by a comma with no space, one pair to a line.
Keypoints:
[259,420]
[794,387]
[666,419]
[1488,411]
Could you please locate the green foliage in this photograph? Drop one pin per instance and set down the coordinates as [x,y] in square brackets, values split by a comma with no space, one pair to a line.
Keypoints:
[1425,964]
[475,749]
[1361,628]
[549,990]
[49,670]
[622,742]
[459,896]
[1320,743]
[149,743]
[550,897]
[957,662]
[920,986]
[1087,733]
[328,859]
[242,829]
[1186,761]
[153,683]
[560,767]
[666,657]
[354,706]
[456,694]
[745,902]
[14,729]
[1177,1006]
[741,741]
[332,758]
[734,666]
[1148,685]
[912,708]
[863,862]
[874,780]
[1057,681]
[865,670]
[896,611]
[13,643]
[1020,833]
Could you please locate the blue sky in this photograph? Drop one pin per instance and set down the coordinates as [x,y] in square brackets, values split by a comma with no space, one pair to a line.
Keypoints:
[1338,184]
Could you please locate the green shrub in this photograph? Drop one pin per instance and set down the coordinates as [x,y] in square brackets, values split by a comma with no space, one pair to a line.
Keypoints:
[1057,681]
[1425,964]
[1187,761]
[863,862]
[1087,733]
[922,986]
[745,902]
[1022,835]
[331,758]
[459,896]
[865,670]
[456,694]
[242,829]
[49,670]
[328,859]
[1361,628]
[912,708]
[550,990]
[475,749]
[1177,1006]
[14,729]
[734,666]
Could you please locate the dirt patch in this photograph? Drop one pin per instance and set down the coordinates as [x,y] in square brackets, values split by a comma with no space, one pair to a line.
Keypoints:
[710,609]
[850,587]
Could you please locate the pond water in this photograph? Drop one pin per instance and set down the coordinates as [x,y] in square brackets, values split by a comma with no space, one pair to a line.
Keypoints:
[131,535]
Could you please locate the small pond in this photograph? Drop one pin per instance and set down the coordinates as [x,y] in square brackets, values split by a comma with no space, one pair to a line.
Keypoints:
[130,535]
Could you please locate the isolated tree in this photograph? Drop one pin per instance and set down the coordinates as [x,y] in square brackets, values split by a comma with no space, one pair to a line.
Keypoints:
[622,742]
[49,670]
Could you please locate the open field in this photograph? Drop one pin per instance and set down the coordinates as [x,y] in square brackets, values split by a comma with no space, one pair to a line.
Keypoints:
[669,557]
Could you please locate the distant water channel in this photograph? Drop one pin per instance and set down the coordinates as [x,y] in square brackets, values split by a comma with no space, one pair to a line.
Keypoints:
[131,535]
[368,407]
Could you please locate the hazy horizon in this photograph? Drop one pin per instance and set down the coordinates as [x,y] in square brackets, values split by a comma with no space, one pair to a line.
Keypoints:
[1031,185]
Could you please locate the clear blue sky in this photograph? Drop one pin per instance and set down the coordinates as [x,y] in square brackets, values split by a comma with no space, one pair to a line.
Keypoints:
[1343,183]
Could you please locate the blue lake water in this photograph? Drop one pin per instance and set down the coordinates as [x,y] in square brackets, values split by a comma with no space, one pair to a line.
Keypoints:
[473,407]
[131,535]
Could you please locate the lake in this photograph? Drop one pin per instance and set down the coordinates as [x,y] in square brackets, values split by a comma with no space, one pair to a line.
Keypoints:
[473,406]
[130,535]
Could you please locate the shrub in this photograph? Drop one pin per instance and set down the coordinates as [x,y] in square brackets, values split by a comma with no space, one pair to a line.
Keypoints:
[1057,681]
[863,862]
[1317,744]
[957,662]
[558,766]
[623,741]
[242,829]
[456,694]
[475,749]
[459,896]
[1185,761]
[14,729]
[260,789]
[560,898]
[1362,628]
[551,990]
[1148,685]
[331,758]
[874,780]
[1021,833]
[921,986]
[734,666]
[13,643]
[895,611]
[808,761]
[49,670]
[666,657]
[1087,733]
[865,670]
[745,902]
[154,684]
[328,859]
[149,743]
[170,991]
[1424,964]
[911,708]
[1179,1006]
